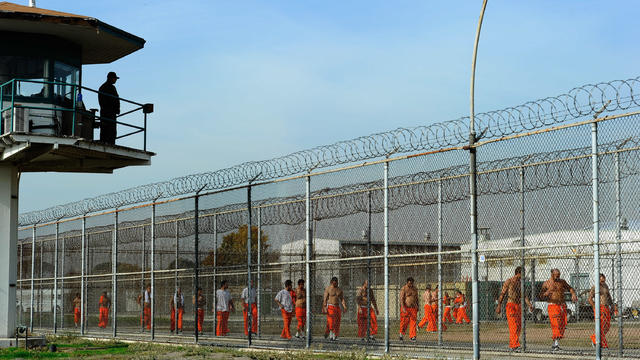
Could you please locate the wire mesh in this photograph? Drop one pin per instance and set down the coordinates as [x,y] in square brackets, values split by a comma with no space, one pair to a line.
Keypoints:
[535,210]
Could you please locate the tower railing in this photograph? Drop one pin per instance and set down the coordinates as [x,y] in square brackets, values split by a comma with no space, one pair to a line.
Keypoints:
[63,113]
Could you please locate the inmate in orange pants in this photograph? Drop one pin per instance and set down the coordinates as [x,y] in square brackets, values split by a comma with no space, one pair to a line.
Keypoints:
[286,322]
[334,316]
[76,316]
[145,319]
[429,317]
[605,324]
[103,318]
[408,317]
[362,322]
[558,320]
[223,323]
[447,315]
[461,315]
[254,318]
[301,316]
[434,308]
[514,311]
[173,318]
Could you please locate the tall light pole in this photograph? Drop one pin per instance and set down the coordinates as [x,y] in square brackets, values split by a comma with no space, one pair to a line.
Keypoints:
[473,205]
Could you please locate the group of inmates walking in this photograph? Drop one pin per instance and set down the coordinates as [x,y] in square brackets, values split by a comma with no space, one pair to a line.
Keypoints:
[292,302]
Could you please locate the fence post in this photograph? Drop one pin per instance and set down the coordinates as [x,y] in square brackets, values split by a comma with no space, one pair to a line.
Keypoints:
[259,283]
[370,285]
[175,274]
[440,317]
[619,253]
[596,234]
[61,282]
[83,271]
[196,249]
[308,254]
[40,284]
[144,266]
[33,270]
[55,281]
[20,314]
[386,257]
[114,276]
[153,268]
[215,270]
[249,243]
[523,317]
[174,294]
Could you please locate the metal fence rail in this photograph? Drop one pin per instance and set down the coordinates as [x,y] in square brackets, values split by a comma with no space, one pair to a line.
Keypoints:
[540,191]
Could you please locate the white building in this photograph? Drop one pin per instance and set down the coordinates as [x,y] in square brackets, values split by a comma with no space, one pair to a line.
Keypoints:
[571,252]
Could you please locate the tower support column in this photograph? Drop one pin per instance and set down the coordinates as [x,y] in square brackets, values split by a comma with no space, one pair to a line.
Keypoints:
[8,249]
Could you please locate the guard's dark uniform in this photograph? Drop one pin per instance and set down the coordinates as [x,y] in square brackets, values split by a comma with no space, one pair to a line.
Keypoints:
[109,109]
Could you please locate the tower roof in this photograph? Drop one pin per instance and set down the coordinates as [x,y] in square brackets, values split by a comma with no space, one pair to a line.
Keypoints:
[101,43]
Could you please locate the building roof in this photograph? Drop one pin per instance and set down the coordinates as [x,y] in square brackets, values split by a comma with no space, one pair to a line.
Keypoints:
[101,43]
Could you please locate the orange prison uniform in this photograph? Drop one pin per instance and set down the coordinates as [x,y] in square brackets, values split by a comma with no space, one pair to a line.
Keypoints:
[223,323]
[254,317]
[434,307]
[286,319]
[200,319]
[301,316]
[145,319]
[408,317]
[428,317]
[103,318]
[362,322]
[334,316]
[447,314]
[76,315]
[514,312]
[461,312]
[605,324]
[173,318]
[558,320]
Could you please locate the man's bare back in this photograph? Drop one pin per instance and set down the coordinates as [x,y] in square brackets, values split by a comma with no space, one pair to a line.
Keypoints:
[511,288]
[426,296]
[409,296]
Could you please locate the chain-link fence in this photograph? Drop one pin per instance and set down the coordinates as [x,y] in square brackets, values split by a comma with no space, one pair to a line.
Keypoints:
[379,223]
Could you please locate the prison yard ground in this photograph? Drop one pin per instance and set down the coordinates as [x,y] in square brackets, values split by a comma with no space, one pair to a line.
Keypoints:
[456,344]
[72,347]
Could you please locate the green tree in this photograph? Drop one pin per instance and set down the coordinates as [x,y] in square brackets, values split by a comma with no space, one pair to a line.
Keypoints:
[233,250]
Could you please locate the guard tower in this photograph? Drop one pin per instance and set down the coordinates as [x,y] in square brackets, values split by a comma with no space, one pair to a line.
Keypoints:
[44,124]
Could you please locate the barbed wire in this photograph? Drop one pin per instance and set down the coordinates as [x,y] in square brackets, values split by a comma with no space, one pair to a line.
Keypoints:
[617,95]
[562,168]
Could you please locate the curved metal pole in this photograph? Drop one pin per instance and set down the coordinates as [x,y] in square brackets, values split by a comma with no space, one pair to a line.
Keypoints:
[473,196]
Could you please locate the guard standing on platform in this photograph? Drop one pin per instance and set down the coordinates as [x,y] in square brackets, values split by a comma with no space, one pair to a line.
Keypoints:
[109,109]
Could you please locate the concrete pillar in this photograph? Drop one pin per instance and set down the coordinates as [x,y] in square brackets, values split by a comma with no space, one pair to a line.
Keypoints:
[8,249]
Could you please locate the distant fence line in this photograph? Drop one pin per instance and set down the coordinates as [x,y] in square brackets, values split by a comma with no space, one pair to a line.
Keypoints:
[579,102]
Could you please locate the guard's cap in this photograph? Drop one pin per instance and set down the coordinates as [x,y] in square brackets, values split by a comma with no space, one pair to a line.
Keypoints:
[111,74]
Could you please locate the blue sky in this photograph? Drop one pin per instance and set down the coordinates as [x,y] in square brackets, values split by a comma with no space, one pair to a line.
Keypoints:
[236,81]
